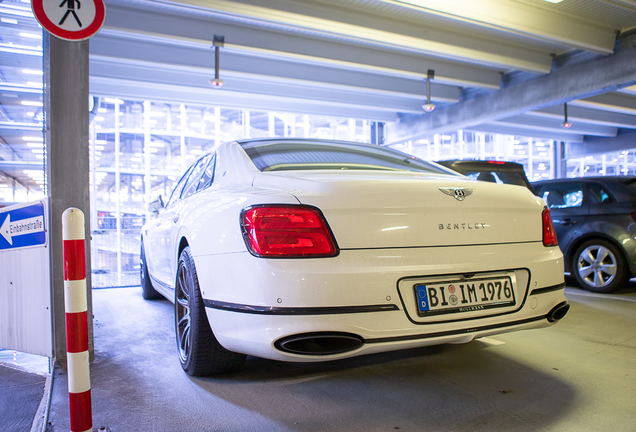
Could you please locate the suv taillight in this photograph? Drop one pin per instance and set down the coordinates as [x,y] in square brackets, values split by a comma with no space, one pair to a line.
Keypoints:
[549,236]
[287,231]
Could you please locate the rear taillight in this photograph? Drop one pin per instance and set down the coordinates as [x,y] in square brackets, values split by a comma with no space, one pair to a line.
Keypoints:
[633,215]
[549,236]
[287,231]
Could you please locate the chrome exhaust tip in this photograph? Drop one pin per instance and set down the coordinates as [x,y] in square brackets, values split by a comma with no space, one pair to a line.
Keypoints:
[319,343]
[558,312]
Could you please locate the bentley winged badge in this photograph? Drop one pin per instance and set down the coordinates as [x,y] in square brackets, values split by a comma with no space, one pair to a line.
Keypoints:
[459,193]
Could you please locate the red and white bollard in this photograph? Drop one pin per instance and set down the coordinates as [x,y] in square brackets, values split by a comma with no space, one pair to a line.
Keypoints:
[79,382]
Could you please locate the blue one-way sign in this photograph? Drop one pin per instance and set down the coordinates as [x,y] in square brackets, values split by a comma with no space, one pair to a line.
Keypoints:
[23,226]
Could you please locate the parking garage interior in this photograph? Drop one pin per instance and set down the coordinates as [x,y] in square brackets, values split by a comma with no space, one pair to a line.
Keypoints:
[551,86]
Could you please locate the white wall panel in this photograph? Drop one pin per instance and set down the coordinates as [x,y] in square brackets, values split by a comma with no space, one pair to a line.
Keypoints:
[25,295]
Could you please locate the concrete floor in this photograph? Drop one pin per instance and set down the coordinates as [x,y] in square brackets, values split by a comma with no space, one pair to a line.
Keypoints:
[21,393]
[579,375]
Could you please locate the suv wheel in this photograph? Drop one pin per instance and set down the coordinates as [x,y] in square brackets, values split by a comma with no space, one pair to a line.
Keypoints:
[599,266]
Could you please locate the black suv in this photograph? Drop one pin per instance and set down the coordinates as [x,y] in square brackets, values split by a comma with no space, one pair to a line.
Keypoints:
[491,171]
[595,222]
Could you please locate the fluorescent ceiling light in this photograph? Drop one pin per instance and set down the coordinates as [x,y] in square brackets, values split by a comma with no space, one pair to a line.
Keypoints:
[31,35]
[32,72]
[113,100]
[32,103]
[554,1]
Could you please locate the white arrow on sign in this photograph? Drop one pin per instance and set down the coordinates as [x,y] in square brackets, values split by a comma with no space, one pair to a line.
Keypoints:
[21,227]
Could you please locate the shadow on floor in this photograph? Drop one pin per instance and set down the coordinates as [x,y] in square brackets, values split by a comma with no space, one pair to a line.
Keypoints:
[137,384]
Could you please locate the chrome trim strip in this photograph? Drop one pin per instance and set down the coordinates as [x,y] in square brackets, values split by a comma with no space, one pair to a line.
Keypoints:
[272,310]
[548,289]
[453,332]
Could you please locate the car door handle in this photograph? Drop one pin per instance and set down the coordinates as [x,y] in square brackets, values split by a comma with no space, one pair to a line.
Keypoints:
[568,221]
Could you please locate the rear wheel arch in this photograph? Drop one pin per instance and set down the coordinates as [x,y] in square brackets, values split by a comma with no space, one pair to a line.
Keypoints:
[200,353]
[183,243]
[148,292]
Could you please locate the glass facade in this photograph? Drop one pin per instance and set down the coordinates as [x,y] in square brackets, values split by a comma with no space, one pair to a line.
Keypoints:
[22,148]
[536,155]
[615,163]
[139,149]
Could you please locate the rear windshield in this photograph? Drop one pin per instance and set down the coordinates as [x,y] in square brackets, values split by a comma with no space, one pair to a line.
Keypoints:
[290,155]
[513,178]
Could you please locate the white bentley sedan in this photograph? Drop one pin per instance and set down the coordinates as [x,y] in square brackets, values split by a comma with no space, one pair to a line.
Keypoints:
[309,250]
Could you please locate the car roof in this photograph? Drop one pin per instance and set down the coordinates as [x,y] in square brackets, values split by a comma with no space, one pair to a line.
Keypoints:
[621,178]
[490,165]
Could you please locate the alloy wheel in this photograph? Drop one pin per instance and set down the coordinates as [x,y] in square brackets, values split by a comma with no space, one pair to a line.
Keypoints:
[597,266]
[182,310]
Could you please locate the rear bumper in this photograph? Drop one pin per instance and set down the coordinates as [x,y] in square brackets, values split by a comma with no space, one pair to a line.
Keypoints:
[269,336]
[256,306]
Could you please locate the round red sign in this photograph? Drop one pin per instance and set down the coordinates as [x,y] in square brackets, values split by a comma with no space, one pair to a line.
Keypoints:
[70,19]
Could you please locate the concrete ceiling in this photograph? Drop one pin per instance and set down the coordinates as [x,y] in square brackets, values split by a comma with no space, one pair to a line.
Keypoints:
[503,66]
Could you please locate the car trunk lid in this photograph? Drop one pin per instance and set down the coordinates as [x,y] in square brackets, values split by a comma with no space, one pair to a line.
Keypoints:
[368,209]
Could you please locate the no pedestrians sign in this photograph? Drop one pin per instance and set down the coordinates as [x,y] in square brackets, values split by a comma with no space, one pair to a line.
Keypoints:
[72,20]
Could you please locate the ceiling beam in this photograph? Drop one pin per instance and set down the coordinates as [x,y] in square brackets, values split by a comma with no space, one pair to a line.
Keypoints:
[256,87]
[624,140]
[587,115]
[614,102]
[103,86]
[258,27]
[127,52]
[555,126]
[504,129]
[564,84]
[543,22]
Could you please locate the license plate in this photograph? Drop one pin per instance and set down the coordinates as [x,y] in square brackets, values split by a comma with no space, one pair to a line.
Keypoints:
[464,296]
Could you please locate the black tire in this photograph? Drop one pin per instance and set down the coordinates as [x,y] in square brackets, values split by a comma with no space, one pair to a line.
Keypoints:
[599,266]
[200,353]
[148,292]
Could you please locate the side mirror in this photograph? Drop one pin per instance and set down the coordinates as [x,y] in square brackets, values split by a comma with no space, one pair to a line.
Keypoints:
[155,206]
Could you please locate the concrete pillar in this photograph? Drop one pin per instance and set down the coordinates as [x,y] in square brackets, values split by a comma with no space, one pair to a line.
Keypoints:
[66,108]
[560,161]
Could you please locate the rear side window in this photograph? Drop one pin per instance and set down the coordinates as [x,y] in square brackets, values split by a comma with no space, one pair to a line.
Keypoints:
[599,194]
[193,180]
[283,156]
[176,192]
[208,175]
[562,195]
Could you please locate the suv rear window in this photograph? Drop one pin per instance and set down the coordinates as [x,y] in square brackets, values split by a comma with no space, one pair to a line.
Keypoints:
[283,156]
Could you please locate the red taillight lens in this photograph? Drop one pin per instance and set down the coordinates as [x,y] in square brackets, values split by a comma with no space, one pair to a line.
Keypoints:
[287,231]
[549,236]
[633,215]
